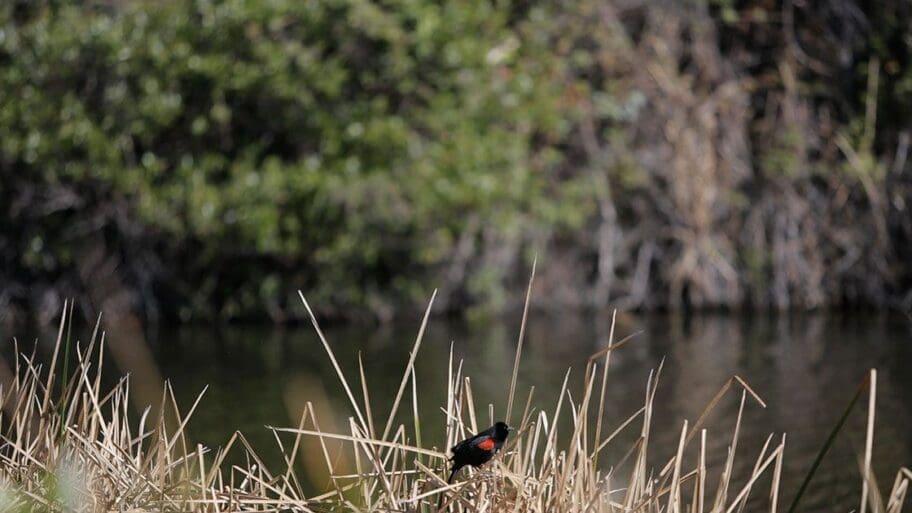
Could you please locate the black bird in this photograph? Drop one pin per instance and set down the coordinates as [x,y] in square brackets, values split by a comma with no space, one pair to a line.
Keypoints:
[479,449]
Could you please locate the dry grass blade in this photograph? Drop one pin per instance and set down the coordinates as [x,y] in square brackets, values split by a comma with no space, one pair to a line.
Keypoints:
[867,477]
[409,368]
[826,445]
[519,344]
[349,438]
[332,358]
[601,408]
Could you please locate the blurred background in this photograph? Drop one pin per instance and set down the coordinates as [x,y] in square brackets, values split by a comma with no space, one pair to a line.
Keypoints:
[727,174]
[204,159]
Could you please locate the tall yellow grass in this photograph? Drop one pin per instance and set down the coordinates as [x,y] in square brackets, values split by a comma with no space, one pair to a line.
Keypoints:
[73,446]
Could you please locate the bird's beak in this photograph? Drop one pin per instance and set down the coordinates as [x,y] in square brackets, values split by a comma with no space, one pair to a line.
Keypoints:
[511,428]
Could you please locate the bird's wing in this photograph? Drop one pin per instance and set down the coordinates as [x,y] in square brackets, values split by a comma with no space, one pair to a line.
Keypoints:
[475,440]
[485,443]
[459,446]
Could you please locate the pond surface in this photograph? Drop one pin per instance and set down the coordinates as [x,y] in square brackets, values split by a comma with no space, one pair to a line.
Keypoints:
[806,368]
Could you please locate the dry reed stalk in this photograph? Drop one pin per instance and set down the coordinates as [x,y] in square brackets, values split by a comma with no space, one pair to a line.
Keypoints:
[77,448]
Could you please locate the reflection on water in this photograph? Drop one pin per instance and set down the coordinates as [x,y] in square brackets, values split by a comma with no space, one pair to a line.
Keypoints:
[805,367]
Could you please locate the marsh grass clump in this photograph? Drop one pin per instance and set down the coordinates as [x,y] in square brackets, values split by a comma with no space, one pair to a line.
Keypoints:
[69,444]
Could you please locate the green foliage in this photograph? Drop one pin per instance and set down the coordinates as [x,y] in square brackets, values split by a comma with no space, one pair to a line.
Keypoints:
[205,158]
[338,143]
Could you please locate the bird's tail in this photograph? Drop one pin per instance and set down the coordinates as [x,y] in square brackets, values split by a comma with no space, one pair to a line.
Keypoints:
[449,481]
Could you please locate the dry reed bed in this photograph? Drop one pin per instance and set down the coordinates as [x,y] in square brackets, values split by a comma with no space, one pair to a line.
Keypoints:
[68,446]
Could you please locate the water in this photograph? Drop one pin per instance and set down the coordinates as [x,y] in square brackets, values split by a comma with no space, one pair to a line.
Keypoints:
[805,367]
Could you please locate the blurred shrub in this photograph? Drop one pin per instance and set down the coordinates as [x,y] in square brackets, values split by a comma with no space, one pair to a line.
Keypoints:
[229,152]
[200,158]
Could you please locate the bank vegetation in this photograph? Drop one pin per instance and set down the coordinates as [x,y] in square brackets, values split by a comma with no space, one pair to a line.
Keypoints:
[203,159]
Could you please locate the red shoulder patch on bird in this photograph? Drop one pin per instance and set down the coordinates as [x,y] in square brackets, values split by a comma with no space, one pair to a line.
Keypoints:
[487,444]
